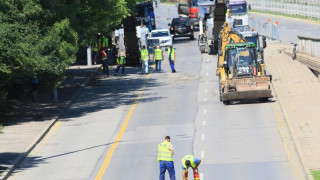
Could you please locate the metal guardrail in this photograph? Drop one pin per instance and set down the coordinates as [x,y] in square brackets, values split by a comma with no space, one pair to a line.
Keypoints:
[266,28]
[309,46]
[305,8]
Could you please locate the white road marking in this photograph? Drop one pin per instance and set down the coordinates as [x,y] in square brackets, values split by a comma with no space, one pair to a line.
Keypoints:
[204,123]
[205,99]
[205,111]
[203,136]
[202,154]
[201,176]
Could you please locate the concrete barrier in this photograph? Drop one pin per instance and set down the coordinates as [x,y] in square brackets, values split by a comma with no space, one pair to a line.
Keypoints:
[309,46]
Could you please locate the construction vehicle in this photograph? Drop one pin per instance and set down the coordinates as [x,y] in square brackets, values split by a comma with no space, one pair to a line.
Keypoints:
[211,24]
[189,8]
[145,11]
[241,74]
[126,40]
[238,13]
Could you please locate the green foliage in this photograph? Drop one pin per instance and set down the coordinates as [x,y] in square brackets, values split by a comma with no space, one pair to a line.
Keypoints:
[316,175]
[40,38]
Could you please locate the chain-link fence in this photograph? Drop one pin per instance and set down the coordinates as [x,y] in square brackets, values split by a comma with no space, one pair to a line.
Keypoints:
[305,8]
[267,28]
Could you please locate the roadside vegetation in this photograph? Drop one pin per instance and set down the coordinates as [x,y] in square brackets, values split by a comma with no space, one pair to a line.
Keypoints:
[41,39]
[1,127]
[287,15]
[316,175]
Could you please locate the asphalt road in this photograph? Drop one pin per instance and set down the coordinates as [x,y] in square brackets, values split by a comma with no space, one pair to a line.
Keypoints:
[239,141]
[290,28]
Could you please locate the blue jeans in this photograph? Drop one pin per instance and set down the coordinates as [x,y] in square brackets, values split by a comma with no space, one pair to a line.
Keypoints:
[158,65]
[172,66]
[164,165]
[118,67]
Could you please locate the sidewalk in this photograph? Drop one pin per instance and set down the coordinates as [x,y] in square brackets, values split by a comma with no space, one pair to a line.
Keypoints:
[297,90]
[29,120]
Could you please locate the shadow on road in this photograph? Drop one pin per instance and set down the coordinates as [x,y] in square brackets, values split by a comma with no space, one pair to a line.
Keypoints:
[109,93]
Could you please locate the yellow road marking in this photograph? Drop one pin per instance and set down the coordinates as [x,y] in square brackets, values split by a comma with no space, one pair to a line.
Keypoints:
[120,134]
[45,139]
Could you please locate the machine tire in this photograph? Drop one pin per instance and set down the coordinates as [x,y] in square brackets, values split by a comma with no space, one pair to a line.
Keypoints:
[227,102]
[220,93]
[213,50]
[202,49]
[264,99]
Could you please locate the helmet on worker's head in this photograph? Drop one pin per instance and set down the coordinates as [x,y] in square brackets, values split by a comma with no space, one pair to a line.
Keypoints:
[187,163]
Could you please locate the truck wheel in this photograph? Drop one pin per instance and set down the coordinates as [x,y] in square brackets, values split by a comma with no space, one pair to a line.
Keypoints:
[209,50]
[202,49]
[213,50]
[264,99]
[226,102]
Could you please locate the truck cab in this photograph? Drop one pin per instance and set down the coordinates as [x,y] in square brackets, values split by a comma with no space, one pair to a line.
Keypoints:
[238,13]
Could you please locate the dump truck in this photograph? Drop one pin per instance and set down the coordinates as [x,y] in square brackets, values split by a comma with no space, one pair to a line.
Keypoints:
[238,12]
[189,8]
[126,38]
[241,74]
[211,24]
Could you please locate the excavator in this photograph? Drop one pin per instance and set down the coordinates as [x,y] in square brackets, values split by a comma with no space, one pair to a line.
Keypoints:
[241,73]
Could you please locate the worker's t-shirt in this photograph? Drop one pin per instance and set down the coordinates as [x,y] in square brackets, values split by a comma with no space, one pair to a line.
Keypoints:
[196,161]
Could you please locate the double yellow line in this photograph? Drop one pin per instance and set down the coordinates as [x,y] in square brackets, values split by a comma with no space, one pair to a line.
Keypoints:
[120,134]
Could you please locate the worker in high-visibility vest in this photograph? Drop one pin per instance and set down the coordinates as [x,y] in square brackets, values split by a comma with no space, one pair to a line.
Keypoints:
[145,57]
[190,161]
[165,153]
[104,43]
[121,61]
[157,58]
[95,50]
[172,58]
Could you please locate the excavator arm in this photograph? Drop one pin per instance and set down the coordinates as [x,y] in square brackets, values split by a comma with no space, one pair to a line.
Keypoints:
[227,36]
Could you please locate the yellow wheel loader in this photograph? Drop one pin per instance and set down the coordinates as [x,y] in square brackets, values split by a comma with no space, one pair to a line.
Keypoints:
[241,75]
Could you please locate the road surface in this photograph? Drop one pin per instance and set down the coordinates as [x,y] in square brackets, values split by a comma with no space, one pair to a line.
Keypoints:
[289,28]
[113,129]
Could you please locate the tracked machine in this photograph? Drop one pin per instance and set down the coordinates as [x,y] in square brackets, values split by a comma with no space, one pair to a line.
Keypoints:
[241,73]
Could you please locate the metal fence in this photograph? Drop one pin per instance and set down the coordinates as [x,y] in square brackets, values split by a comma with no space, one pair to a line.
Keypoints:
[266,28]
[305,8]
[309,46]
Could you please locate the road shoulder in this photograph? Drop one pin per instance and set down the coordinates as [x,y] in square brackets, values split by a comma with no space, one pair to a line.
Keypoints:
[297,91]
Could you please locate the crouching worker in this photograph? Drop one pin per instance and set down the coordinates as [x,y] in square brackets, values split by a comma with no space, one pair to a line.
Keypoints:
[190,161]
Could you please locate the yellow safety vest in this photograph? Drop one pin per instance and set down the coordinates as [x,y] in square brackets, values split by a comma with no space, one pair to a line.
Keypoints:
[105,42]
[158,54]
[95,47]
[120,60]
[144,55]
[172,54]
[191,159]
[164,153]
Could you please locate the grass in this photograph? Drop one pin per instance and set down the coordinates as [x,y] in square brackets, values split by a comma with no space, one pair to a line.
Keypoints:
[316,175]
[1,127]
[168,2]
[287,15]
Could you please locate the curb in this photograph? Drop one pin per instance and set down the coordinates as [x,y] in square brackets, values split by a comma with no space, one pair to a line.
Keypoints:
[5,175]
[296,143]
